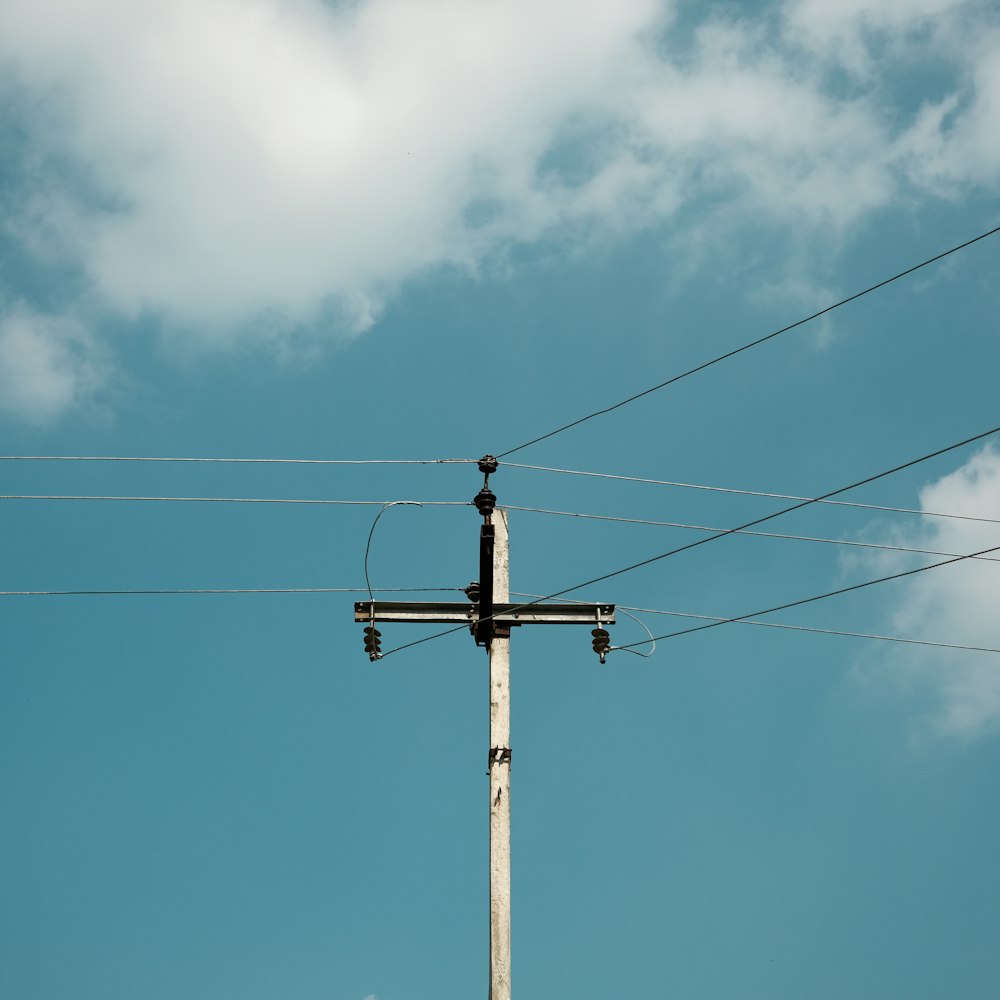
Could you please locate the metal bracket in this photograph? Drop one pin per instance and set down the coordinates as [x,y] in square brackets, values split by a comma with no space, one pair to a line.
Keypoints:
[499,755]
[484,631]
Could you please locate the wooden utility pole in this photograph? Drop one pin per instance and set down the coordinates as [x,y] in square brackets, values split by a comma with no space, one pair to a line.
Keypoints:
[490,618]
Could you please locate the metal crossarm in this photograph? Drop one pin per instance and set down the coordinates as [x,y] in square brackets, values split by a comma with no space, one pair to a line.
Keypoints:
[449,612]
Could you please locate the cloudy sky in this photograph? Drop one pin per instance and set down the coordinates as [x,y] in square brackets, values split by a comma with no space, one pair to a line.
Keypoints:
[427,229]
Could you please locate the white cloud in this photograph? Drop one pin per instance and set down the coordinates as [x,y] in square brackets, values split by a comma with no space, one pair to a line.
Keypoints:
[850,31]
[742,117]
[952,604]
[250,168]
[951,143]
[48,365]
[254,157]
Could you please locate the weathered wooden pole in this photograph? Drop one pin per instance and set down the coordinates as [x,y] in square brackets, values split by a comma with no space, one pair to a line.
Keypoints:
[500,773]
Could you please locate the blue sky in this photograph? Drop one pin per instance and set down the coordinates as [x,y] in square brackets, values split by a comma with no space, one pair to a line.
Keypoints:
[288,229]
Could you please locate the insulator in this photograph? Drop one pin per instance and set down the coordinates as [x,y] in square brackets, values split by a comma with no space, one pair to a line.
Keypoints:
[472,592]
[485,501]
[488,465]
[601,641]
[373,643]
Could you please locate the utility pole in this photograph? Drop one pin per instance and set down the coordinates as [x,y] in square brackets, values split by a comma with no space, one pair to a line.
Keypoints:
[490,618]
[500,755]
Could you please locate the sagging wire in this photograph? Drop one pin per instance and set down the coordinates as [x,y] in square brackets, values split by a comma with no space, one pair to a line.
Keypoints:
[373,637]
[642,625]
[780,625]
[610,649]
[368,546]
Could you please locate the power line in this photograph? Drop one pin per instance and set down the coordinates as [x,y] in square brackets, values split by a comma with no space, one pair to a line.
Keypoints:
[817,597]
[239,461]
[751,493]
[780,625]
[340,503]
[753,343]
[755,534]
[368,544]
[227,590]
[833,631]
[730,531]
[643,626]
[415,590]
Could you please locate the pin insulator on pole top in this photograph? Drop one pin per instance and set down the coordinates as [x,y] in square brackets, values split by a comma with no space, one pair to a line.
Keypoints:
[488,465]
[485,501]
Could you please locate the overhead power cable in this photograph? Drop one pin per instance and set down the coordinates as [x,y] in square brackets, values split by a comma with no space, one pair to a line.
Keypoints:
[754,534]
[368,544]
[441,590]
[644,627]
[747,347]
[730,531]
[816,597]
[780,625]
[226,590]
[238,461]
[829,631]
[753,493]
[339,503]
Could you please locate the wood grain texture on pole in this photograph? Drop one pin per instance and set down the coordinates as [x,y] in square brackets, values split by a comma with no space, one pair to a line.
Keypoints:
[500,776]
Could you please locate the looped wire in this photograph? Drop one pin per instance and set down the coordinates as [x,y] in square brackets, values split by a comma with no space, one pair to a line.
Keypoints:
[368,546]
[625,649]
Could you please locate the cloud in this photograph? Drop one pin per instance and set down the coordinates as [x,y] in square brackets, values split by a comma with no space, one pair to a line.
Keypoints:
[243,169]
[47,365]
[851,33]
[951,143]
[246,158]
[953,604]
